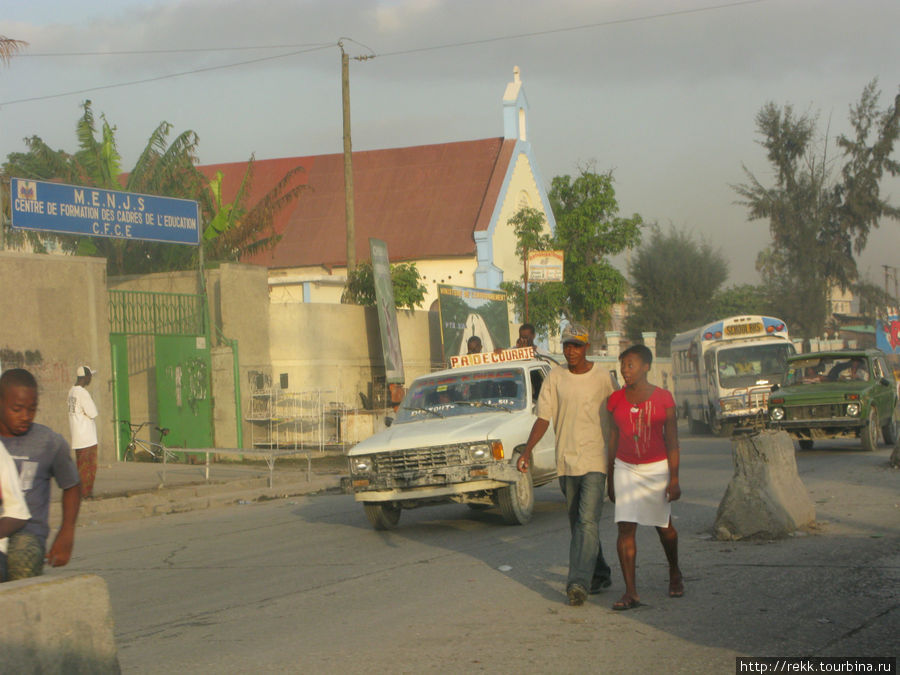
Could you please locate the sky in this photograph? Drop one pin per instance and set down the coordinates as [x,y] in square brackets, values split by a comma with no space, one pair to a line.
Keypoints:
[662,92]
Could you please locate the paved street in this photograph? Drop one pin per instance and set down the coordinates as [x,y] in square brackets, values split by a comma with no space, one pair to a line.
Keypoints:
[306,584]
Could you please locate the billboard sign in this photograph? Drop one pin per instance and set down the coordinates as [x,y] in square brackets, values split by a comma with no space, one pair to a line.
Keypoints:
[387,312]
[87,211]
[545,266]
[467,312]
[887,334]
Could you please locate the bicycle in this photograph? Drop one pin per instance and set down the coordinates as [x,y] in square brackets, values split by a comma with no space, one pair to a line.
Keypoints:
[157,451]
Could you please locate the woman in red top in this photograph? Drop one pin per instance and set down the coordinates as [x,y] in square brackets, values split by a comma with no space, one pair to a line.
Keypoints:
[642,478]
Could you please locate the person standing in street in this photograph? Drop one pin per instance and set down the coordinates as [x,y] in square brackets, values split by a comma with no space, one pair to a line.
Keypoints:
[40,454]
[643,469]
[83,428]
[573,398]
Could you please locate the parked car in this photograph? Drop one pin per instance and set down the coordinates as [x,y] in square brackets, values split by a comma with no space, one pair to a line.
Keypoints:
[456,438]
[849,393]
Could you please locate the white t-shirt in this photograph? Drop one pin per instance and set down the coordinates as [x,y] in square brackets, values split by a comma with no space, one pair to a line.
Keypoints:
[576,404]
[13,504]
[82,412]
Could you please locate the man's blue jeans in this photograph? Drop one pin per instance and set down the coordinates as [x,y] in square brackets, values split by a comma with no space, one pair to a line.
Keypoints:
[584,501]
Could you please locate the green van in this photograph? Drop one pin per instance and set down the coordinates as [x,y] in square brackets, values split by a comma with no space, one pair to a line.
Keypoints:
[836,394]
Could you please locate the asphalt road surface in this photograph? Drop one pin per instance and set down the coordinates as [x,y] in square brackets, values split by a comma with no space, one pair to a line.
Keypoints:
[305,585]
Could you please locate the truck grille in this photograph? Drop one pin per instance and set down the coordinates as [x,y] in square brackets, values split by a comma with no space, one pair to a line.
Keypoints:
[815,412]
[419,459]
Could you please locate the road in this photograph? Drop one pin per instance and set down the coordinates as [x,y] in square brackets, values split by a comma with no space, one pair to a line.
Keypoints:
[306,585]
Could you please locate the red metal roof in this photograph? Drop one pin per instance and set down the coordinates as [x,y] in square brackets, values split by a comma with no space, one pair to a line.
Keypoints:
[424,201]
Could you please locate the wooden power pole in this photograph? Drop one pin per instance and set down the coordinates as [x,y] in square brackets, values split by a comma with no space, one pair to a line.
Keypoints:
[348,162]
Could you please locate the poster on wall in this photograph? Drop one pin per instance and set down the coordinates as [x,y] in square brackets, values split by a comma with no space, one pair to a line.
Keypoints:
[466,312]
[887,334]
[387,312]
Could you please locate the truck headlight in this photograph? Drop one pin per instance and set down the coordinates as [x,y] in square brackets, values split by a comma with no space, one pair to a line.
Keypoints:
[480,452]
[777,414]
[853,409]
[360,464]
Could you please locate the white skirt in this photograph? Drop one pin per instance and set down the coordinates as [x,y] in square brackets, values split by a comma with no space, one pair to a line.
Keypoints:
[641,493]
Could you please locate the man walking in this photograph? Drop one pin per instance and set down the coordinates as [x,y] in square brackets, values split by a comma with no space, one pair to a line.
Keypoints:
[83,428]
[574,397]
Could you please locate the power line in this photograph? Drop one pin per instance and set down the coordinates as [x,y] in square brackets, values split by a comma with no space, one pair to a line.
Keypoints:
[568,29]
[320,46]
[164,77]
[185,50]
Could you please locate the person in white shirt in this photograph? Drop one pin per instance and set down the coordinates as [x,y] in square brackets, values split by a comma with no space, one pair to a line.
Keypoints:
[14,513]
[83,428]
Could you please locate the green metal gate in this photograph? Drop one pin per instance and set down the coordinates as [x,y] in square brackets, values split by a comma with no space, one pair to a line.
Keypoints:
[178,326]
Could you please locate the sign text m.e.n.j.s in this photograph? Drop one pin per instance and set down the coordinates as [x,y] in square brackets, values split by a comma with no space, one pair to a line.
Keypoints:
[73,209]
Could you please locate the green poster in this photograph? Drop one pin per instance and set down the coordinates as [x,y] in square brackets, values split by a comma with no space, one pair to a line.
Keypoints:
[387,311]
[472,311]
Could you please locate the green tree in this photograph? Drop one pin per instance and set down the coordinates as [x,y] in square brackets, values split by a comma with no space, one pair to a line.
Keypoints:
[739,299]
[674,278]
[409,291]
[817,219]
[588,231]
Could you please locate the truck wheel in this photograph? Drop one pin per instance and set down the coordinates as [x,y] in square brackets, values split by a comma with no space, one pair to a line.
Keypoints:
[516,501]
[722,429]
[805,444]
[869,433]
[889,431]
[382,515]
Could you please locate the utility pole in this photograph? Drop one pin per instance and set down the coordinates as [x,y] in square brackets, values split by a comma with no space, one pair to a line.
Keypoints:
[348,162]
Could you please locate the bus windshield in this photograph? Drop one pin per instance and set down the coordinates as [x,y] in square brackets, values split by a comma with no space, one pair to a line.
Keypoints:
[747,365]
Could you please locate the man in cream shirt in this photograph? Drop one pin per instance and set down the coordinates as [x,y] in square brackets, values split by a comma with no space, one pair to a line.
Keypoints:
[574,397]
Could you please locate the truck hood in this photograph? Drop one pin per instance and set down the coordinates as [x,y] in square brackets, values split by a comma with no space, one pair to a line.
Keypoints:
[819,392]
[431,432]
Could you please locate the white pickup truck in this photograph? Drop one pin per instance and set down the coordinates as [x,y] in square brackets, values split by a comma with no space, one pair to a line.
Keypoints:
[456,438]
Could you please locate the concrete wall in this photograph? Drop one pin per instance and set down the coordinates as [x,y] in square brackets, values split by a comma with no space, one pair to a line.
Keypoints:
[338,347]
[57,625]
[53,318]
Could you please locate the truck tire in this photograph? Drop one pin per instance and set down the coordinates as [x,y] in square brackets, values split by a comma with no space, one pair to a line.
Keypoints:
[889,431]
[869,433]
[382,515]
[516,501]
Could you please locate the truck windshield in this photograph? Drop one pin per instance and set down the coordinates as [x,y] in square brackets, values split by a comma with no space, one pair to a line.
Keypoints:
[753,364]
[453,394]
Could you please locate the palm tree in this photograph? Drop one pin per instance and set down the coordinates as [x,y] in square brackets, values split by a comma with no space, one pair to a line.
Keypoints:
[236,229]
[9,47]
[163,168]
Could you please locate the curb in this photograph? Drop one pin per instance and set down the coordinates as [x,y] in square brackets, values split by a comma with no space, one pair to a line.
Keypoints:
[182,499]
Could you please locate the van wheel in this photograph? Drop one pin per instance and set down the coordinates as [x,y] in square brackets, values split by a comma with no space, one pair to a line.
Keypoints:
[869,433]
[516,501]
[382,515]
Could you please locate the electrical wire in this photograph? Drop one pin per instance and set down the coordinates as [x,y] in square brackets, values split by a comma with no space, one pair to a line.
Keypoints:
[320,46]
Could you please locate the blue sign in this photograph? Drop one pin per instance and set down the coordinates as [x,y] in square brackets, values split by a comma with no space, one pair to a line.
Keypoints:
[87,211]
[887,334]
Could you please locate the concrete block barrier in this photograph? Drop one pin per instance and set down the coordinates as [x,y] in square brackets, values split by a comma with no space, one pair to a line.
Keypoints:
[58,624]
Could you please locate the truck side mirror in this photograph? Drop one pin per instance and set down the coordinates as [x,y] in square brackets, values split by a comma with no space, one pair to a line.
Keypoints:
[775,387]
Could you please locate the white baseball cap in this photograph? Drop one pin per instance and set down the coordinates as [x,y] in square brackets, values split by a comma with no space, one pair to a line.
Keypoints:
[83,371]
